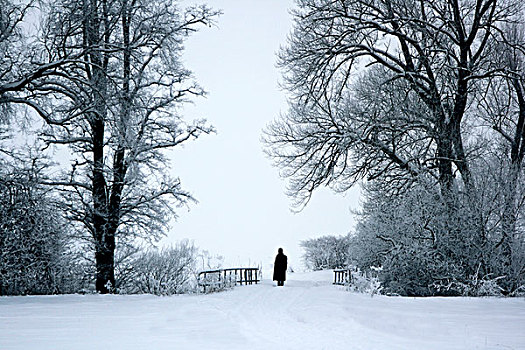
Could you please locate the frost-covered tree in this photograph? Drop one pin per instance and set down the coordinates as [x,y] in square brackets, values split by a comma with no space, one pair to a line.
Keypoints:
[393,92]
[11,38]
[405,236]
[113,101]
[132,82]
[422,250]
[341,63]
[327,252]
[24,64]
[503,109]
[32,231]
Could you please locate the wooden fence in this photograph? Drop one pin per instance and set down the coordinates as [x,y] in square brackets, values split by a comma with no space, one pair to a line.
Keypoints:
[342,277]
[222,278]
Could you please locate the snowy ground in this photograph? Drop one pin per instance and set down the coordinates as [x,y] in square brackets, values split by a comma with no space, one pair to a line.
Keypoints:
[308,313]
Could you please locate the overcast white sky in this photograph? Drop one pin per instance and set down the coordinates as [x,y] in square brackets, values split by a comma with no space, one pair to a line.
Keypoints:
[243,212]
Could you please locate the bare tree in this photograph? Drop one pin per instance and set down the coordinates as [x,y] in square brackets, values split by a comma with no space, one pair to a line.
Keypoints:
[502,108]
[377,130]
[435,52]
[15,69]
[116,109]
[27,68]
[389,91]
[32,229]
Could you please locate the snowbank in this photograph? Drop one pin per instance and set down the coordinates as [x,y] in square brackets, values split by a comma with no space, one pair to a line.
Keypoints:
[308,313]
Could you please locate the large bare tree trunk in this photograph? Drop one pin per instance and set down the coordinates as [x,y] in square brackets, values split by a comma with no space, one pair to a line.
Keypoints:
[511,186]
[97,64]
[107,259]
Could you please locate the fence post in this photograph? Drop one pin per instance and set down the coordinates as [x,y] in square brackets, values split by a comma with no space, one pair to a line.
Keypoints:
[342,277]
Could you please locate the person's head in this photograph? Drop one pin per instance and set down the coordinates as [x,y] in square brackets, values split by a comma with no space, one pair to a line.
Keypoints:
[280,250]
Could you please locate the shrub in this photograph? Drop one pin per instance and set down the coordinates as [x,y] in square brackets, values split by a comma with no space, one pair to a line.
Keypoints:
[215,282]
[362,282]
[426,249]
[31,236]
[167,271]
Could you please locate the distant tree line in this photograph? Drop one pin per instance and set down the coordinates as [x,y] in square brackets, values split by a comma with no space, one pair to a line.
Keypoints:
[422,102]
[102,83]
[326,252]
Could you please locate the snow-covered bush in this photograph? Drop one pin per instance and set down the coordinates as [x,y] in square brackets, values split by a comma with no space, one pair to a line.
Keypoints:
[477,288]
[426,249]
[216,282]
[362,282]
[76,274]
[488,288]
[31,235]
[327,252]
[165,271]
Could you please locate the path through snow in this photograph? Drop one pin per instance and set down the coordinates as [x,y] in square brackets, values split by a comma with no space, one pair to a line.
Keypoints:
[308,313]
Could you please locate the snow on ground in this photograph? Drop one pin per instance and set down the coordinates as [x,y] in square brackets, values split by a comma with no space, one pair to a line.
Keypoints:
[308,313]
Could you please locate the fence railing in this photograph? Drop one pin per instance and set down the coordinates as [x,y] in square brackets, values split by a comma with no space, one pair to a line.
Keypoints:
[342,277]
[221,278]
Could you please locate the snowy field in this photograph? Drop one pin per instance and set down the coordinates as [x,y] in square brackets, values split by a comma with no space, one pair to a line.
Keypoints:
[308,313]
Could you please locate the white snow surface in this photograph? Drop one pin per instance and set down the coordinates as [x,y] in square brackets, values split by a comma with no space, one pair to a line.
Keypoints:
[308,313]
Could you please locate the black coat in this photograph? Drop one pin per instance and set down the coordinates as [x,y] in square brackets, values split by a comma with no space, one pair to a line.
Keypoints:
[279,268]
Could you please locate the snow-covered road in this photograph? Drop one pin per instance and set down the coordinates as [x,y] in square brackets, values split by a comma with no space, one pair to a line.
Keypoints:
[308,313]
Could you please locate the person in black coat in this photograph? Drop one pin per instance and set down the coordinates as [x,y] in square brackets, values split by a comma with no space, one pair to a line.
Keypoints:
[279,268]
